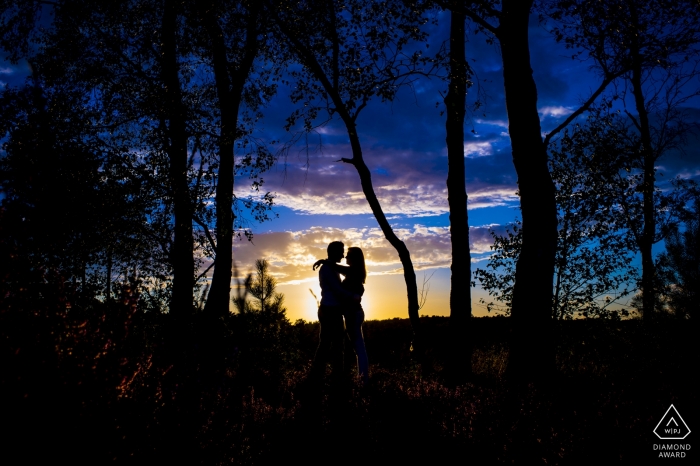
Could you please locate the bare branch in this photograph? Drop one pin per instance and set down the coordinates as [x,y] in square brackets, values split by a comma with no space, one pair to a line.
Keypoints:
[586,105]
[423,296]
[634,120]
[199,222]
[205,272]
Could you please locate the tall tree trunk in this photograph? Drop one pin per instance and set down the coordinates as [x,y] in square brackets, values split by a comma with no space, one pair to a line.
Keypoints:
[646,240]
[179,344]
[459,365]
[409,273]
[531,347]
[330,85]
[182,254]
[229,93]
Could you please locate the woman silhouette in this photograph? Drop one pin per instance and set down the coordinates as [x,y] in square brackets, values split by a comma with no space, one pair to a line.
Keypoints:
[355,275]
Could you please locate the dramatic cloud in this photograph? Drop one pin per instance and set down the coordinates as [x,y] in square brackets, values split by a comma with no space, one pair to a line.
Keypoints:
[408,183]
[291,253]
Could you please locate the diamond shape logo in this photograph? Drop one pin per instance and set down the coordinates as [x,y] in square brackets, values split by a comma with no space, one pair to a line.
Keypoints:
[672,426]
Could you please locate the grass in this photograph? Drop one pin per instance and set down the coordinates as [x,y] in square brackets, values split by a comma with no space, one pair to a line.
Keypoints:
[105,386]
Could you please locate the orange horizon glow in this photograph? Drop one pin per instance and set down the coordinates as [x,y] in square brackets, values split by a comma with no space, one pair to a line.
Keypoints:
[385,298]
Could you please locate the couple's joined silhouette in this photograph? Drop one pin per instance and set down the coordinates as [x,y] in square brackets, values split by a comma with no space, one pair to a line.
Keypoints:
[340,300]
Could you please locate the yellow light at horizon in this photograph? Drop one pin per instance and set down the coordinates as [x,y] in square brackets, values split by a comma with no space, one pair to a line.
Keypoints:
[384,298]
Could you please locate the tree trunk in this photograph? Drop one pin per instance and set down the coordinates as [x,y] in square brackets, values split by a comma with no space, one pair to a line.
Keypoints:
[182,257]
[531,348]
[647,237]
[331,87]
[409,273]
[229,93]
[459,363]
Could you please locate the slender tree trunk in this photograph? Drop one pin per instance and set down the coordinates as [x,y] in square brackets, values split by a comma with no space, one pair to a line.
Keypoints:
[229,92]
[183,245]
[179,342]
[330,85]
[459,360]
[647,237]
[409,273]
[531,347]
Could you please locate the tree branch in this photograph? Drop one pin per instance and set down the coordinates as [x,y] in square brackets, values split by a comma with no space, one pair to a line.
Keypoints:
[474,16]
[310,61]
[586,105]
[205,272]
[634,120]
[199,222]
[336,44]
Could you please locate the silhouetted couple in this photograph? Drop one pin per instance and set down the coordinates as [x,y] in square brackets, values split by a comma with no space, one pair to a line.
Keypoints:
[340,300]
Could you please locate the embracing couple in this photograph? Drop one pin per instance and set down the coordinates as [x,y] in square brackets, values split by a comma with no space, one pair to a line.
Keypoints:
[340,300]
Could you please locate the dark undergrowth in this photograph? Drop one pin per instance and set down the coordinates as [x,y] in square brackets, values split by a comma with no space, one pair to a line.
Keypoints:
[108,384]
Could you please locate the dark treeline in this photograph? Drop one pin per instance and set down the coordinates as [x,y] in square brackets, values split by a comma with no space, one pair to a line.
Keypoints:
[117,170]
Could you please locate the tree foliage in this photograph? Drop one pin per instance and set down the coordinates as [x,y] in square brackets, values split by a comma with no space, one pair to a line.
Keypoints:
[144,105]
[678,267]
[264,337]
[594,249]
[663,32]
[74,213]
[655,47]
[261,285]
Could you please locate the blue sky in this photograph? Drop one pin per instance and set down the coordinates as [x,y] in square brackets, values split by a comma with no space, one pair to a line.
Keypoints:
[404,146]
[319,200]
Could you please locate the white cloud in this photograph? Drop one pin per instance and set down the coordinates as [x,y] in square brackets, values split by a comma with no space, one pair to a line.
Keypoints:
[415,201]
[292,253]
[492,197]
[555,111]
[6,70]
[406,183]
[477,149]
[500,123]
[687,174]
[396,200]
[330,130]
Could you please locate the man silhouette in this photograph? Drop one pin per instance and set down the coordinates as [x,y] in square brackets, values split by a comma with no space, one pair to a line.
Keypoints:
[330,316]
